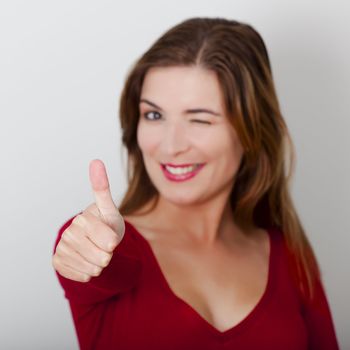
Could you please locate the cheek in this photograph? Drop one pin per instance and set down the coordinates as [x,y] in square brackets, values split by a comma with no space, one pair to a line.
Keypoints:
[220,142]
[147,138]
[235,153]
[225,150]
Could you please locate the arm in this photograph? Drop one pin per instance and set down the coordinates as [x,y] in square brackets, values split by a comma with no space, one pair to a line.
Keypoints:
[319,322]
[88,310]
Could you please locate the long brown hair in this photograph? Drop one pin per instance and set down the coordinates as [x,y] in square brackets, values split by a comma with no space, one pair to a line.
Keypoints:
[260,196]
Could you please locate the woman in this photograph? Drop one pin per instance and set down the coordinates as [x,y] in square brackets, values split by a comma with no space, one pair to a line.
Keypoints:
[206,250]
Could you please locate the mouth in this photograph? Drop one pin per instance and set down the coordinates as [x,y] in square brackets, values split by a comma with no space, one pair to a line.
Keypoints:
[181,172]
[181,165]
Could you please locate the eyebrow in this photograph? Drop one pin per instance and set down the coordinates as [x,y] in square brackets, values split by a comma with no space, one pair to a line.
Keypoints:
[188,111]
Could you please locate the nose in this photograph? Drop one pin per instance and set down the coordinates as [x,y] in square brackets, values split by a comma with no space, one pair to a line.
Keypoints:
[175,139]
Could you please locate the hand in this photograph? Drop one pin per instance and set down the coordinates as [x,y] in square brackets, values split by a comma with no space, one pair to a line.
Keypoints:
[87,245]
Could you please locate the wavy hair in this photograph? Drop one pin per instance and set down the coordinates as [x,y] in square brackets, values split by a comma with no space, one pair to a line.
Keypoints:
[260,196]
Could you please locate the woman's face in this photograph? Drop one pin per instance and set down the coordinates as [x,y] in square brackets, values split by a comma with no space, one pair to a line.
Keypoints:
[182,121]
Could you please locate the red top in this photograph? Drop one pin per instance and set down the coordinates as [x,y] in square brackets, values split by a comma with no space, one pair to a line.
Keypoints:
[131,306]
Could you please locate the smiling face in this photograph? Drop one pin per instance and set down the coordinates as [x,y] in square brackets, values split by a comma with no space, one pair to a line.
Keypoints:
[182,121]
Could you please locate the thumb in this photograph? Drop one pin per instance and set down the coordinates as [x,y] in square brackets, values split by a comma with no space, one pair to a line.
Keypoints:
[100,187]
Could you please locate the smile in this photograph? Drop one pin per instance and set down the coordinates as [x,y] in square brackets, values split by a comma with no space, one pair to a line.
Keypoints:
[181,173]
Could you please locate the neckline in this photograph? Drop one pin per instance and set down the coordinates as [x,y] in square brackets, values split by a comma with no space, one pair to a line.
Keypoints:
[249,318]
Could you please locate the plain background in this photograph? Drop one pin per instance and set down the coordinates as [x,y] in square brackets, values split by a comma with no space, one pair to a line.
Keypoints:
[62,67]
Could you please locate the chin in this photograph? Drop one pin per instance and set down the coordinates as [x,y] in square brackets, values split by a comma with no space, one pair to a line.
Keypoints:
[178,199]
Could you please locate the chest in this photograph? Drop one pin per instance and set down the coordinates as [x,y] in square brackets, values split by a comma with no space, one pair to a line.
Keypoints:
[221,285]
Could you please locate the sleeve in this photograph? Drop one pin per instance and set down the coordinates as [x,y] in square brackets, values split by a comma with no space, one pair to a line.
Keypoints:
[319,322]
[120,275]
[316,312]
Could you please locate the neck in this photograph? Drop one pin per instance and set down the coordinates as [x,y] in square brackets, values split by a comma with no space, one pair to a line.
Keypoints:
[203,223]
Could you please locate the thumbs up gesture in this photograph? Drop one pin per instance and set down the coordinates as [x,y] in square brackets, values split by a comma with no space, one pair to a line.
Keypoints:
[87,245]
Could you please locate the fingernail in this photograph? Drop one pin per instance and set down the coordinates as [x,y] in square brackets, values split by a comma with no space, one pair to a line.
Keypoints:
[111,246]
[105,261]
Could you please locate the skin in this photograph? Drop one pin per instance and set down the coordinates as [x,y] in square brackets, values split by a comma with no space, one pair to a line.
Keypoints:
[208,262]
[177,137]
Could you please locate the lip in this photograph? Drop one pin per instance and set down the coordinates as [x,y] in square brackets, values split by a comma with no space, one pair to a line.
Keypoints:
[181,177]
[181,165]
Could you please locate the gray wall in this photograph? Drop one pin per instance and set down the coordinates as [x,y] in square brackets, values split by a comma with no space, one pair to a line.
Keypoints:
[62,67]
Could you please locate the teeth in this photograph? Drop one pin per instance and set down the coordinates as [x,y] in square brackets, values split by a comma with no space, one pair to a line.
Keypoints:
[179,171]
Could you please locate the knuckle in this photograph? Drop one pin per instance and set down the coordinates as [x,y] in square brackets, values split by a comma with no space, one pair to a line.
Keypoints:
[61,249]
[55,261]
[85,278]
[115,239]
[78,220]
[105,259]
[67,235]
[112,243]
[96,271]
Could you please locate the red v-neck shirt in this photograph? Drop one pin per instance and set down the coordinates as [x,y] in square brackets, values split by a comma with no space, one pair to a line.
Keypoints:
[130,306]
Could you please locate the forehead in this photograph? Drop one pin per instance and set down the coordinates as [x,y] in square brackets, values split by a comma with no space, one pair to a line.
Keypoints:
[182,84]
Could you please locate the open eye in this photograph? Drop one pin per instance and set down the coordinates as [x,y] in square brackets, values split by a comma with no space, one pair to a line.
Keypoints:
[145,115]
[157,116]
